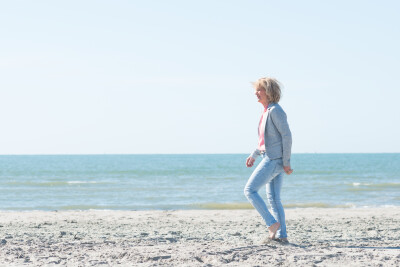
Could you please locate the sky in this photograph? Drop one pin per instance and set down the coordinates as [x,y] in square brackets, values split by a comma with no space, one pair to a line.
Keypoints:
[140,77]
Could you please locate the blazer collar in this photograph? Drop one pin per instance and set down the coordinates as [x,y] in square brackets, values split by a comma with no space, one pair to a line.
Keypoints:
[271,105]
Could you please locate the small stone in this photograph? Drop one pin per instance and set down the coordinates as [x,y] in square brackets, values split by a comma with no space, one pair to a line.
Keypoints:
[198,259]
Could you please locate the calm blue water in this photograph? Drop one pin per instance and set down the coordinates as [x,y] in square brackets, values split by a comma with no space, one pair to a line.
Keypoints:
[138,182]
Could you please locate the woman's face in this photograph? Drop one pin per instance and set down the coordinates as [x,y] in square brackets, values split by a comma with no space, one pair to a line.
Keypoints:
[261,95]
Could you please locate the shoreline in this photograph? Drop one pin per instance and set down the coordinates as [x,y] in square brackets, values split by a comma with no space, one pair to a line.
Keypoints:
[207,206]
[336,236]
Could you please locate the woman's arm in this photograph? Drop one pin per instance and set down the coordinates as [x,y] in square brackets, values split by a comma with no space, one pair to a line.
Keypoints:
[252,158]
[280,120]
[255,153]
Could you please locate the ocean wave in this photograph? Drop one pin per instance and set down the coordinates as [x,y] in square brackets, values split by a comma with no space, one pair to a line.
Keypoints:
[82,182]
[223,206]
[355,187]
[238,206]
[358,184]
[377,185]
[317,205]
[49,183]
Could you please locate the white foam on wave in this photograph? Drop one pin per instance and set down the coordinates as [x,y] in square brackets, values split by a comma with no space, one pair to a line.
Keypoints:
[358,184]
[82,182]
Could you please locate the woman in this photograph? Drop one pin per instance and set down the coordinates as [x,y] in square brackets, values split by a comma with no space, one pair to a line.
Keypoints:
[274,146]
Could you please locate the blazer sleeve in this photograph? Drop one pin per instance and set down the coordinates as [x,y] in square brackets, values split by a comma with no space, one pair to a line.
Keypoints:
[255,154]
[279,119]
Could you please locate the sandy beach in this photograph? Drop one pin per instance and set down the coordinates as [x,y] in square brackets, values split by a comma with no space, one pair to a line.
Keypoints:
[320,237]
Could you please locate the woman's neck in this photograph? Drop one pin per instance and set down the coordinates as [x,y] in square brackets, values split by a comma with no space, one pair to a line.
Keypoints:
[265,104]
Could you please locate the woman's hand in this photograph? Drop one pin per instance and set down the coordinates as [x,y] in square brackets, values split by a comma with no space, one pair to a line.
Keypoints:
[250,161]
[287,169]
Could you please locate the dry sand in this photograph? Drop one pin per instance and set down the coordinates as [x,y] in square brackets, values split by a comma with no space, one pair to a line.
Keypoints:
[320,237]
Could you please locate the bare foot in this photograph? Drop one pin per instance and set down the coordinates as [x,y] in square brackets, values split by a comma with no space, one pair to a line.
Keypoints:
[272,230]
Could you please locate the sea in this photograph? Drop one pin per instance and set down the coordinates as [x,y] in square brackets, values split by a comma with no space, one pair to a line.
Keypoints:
[191,181]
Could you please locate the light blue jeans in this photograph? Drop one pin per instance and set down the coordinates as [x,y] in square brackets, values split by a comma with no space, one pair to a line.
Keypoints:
[269,173]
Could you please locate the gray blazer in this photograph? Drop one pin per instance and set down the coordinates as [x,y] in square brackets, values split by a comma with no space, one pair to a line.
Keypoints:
[277,136]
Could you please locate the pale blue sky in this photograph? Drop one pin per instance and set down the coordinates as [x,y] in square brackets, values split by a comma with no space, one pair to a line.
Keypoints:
[174,76]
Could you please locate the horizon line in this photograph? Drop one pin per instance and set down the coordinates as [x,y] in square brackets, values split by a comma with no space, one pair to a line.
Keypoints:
[120,154]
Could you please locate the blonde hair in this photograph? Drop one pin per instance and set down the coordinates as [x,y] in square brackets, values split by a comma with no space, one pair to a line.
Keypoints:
[271,87]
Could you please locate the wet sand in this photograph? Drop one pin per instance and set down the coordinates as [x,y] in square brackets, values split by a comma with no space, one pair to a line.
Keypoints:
[320,237]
